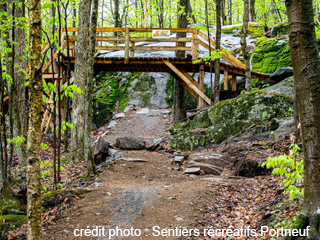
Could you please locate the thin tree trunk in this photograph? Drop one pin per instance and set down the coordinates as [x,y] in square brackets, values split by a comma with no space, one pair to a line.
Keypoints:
[34,133]
[230,13]
[77,133]
[191,15]
[217,61]
[116,16]
[252,11]
[243,43]
[89,90]
[306,71]
[179,98]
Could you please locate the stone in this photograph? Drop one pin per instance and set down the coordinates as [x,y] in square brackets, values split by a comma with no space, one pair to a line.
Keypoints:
[286,127]
[112,152]
[143,111]
[279,30]
[112,124]
[109,193]
[119,115]
[130,143]
[285,87]
[100,150]
[148,144]
[179,159]
[132,160]
[192,170]
[282,73]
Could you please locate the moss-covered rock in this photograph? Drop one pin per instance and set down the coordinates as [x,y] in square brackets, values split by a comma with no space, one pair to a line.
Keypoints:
[111,92]
[280,29]
[231,118]
[270,55]
[255,30]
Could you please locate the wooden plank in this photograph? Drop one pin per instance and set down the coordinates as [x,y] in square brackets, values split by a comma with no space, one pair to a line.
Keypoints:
[105,29]
[183,84]
[161,48]
[201,103]
[126,51]
[49,76]
[226,81]
[132,51]
[234,82]
[190,78]
[135,39]
[227,56]
[187,81]
[195,45]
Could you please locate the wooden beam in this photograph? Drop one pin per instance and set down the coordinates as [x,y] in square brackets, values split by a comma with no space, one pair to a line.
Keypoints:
[201,103]
[183,84]
[187,81]
[226,56]
[105,29]
[226,81]
[135,39]
[195,45]
[234,82]
[161,48]
[127,42]
[132,51]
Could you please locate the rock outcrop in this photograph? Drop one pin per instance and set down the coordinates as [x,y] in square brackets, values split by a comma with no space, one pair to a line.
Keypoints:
[231,118]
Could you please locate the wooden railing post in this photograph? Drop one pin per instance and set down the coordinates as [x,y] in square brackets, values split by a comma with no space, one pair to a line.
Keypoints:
[132,51]
[201,84]
[226,81]
[126,51]
[234,82]
[194,45]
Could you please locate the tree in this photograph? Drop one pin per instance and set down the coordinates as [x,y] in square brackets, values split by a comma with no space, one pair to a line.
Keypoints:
[35,116]
[306,71]
[252,11]
[179,98]
[80,70]
[89,90]
[217,61]
[243,43]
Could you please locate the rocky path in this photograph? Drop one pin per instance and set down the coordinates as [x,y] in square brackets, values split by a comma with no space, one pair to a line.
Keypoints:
[137,195]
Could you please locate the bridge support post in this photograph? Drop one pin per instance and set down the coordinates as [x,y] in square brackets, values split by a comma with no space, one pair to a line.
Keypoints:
[226,81]
[132,51]
[201,84]
[126,53]
[194,45]
[234,82]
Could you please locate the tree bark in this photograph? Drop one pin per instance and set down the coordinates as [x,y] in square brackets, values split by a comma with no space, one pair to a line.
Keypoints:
[217,61]
[116,16]
[252,11]
[77,133]
[243,43]
[35,116]
[179,98]
[88,97]
[306,71]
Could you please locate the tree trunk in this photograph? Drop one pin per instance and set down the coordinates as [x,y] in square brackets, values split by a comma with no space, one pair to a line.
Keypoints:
[243,43]
[77,133]
[116,16]
[223,11]
[35,116]
[306,71]
[230,12]
[217,61]
[191,15]
[252,11]
[179,98]
[89,90]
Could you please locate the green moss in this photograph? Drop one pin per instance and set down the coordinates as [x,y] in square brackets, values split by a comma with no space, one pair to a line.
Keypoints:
[232,117]
[14,209]
[9,222]
[107,94]
[270,55]
[254,30]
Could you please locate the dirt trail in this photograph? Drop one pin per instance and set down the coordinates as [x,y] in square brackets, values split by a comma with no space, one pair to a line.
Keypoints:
[131,194]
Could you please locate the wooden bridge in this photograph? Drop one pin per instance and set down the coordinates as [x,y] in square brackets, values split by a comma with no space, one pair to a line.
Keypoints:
[130,52]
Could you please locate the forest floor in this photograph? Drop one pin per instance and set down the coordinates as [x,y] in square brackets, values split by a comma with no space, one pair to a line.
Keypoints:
[157,193]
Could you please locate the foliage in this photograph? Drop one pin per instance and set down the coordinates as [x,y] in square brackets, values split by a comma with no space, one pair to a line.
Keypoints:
[291,169]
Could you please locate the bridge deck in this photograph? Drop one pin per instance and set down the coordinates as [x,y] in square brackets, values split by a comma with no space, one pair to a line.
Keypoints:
[145,64]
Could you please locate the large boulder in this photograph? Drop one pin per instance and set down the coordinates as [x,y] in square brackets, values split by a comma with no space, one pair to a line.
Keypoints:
[281,74]
[279,30]
[100,150]
[230,118]
[285,87]
[211,164]
[130,143]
